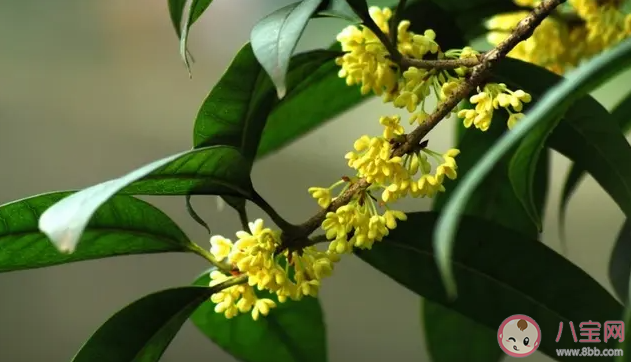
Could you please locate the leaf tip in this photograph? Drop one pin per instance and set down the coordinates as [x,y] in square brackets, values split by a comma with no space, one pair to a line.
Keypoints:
[221,204]
[64,240]
[281,90]
[57,224]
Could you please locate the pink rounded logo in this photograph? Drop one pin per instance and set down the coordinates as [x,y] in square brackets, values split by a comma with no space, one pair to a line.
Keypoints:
[519,336]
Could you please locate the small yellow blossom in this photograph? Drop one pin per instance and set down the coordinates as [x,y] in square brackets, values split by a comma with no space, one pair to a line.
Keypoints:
[358,224]
[492,97]
[323,195]
[366,60]
[253,255]
[220,247]
[392,127]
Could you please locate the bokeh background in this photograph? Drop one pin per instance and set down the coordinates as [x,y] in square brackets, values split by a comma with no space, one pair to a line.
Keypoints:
[91,90]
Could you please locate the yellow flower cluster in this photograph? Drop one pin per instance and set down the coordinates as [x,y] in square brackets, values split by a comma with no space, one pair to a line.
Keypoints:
[366,59]
[396,176]
[366,62]
[289,275]
[359,224]
[492,97]
[573,34]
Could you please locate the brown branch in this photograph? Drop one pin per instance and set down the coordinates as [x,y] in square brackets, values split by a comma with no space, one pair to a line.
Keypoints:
[394,22]
[440,64]
[522,31]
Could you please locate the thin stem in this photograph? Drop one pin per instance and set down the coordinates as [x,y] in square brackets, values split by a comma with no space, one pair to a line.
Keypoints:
[269,210]
[225,268]
[243,217]
[231,282]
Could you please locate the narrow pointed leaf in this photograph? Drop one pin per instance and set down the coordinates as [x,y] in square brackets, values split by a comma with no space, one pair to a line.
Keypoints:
[211,171]
[196,9]
[498,203]
[122,226]
[176,12]
[292,332]
[194,215]
[620,263]
[510,272]
[274,39]
[524,165]
[620,114]
[560,97]
[143,330]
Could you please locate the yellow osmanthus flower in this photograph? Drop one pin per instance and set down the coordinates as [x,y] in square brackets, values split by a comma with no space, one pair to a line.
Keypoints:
[367,61]
[494,96]
[253,255]
[562,41]
[415,85]
[397,176]
[359,224]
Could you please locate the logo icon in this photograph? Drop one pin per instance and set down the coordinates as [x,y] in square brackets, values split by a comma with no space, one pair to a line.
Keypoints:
[519,336]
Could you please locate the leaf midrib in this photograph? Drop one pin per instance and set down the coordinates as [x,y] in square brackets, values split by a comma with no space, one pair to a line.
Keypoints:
[186,176]
[106,229]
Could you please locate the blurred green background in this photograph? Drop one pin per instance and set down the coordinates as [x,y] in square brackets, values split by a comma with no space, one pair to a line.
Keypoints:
[90,90]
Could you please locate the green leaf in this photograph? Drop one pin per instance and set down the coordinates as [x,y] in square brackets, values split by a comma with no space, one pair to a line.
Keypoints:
[301,111]
[620,263]
[236,107]
[360,7]
[236,110]
[196,10]
[626,343]
[620,114]
[498,203]
[143,330]
[500,272]
[523,168]
[215,170]
[176,12]
[616,150]
[122,226]
[292,332]
[337,9]
[274,39]
[476,341]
